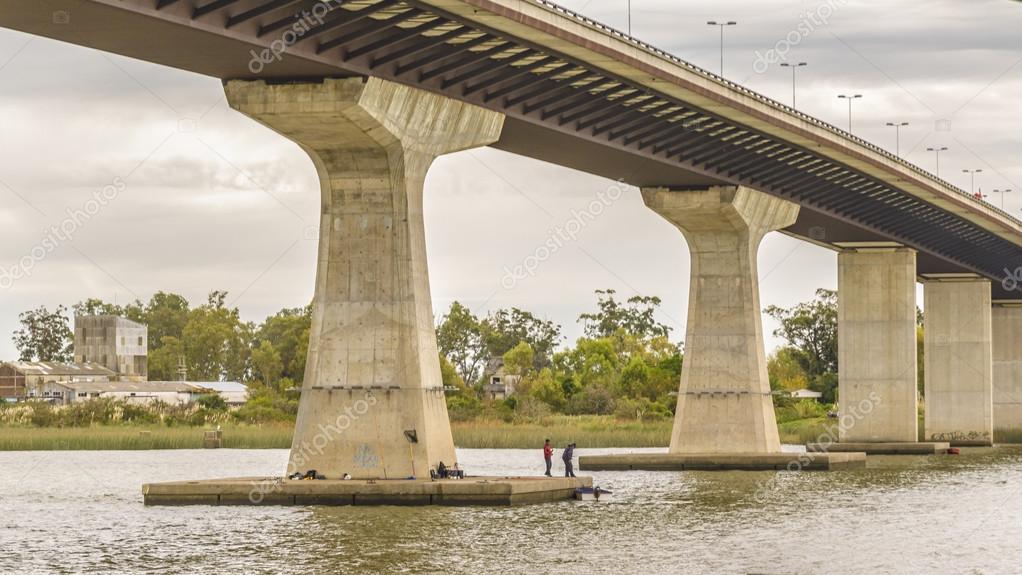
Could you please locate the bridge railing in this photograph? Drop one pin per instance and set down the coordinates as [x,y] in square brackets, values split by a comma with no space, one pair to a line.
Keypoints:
[770,102]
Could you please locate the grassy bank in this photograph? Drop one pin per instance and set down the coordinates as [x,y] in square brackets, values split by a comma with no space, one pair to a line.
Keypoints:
[586,430]
[138,437]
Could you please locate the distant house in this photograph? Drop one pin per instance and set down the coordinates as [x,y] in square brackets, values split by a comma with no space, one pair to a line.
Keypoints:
[232,392]
[498,383]
[170,392]
[28,379]
[806,394]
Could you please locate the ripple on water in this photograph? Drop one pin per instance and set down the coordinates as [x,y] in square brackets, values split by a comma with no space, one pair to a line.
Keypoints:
[81,512]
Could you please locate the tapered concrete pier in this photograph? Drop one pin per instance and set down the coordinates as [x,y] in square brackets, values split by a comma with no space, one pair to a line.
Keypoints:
[724,400]
[959,361]
[878,396]
[372,403]
[1006,323]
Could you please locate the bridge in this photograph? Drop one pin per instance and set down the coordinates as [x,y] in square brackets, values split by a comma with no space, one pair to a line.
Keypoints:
[374,90]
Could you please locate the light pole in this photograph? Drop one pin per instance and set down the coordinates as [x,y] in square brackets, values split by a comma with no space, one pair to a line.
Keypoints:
[849,98]
[972,179]
[1002,192]
[897,136]
[793,66]
[629,17]
[937,152]
[721,25]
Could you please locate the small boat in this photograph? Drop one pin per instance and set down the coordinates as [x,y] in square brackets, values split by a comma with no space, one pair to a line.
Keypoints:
[954,451]
[591,493]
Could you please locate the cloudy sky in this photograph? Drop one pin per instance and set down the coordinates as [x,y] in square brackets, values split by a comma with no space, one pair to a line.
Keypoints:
[204,199]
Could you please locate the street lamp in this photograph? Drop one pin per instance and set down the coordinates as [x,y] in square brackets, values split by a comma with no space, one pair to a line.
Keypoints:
[937,151]
[897,136]
[1002,192]
[849,98]
[972,179]
[793,66]
[721,25]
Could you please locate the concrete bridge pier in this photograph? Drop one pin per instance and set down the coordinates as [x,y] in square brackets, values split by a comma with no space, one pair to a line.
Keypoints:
[372,403]
[877,389]
[1007,360]
[724,401]
[959,361]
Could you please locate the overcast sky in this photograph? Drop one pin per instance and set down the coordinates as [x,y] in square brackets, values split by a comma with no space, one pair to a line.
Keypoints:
[206,199]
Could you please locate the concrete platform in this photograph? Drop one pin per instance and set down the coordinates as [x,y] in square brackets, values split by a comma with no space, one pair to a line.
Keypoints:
[723,461]
[498,491]
[904,448]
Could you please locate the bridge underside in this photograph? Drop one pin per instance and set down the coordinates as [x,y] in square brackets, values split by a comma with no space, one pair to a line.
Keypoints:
[599,116]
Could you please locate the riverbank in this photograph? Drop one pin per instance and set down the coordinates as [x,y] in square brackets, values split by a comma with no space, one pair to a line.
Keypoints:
[588,431]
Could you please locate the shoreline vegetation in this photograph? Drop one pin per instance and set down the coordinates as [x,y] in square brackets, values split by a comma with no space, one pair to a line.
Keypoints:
[592,431]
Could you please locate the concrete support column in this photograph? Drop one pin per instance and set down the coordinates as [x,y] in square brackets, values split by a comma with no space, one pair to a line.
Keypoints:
[724,402]
[372,403]
[1007,351]
[959,362]
[877,352]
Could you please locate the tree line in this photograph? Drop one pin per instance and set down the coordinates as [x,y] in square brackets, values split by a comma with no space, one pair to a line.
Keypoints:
[624,363]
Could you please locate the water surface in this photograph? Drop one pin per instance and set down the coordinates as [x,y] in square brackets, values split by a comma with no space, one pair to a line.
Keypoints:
[82,512]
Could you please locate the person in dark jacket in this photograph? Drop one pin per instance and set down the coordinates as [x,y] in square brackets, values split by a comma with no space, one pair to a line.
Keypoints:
[548,456]
[569,452]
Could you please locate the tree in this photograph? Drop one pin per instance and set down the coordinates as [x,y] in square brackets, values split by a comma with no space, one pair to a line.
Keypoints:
[459,338]
[506,328]
[216,341]
[93,306]
[811,329]
[288,333]
[165,360]
[267,365]
[519,363]
[44,335]
[165,316]
[635,316]
[785,370]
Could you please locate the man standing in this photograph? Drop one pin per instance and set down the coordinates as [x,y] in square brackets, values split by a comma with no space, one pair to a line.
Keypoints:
[569,452]
[548,456]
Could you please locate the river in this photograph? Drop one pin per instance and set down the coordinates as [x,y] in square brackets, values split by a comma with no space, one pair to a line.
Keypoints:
[82,512]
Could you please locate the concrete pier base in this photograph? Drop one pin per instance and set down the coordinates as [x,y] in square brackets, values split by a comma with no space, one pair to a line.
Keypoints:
[494,491]
[723,461]
[882,448]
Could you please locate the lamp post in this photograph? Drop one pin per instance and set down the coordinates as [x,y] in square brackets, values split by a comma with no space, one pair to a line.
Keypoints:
[721,25]
[793,67]
[937,152]
[897,136]
[849,98]
[1002,192]
[629,17]
[972,179]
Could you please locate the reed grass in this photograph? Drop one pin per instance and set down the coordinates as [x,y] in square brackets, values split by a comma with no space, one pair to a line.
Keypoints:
[139,437]
[586,431]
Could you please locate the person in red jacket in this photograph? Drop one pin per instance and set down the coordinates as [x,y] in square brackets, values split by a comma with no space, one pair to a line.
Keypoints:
[548,456]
